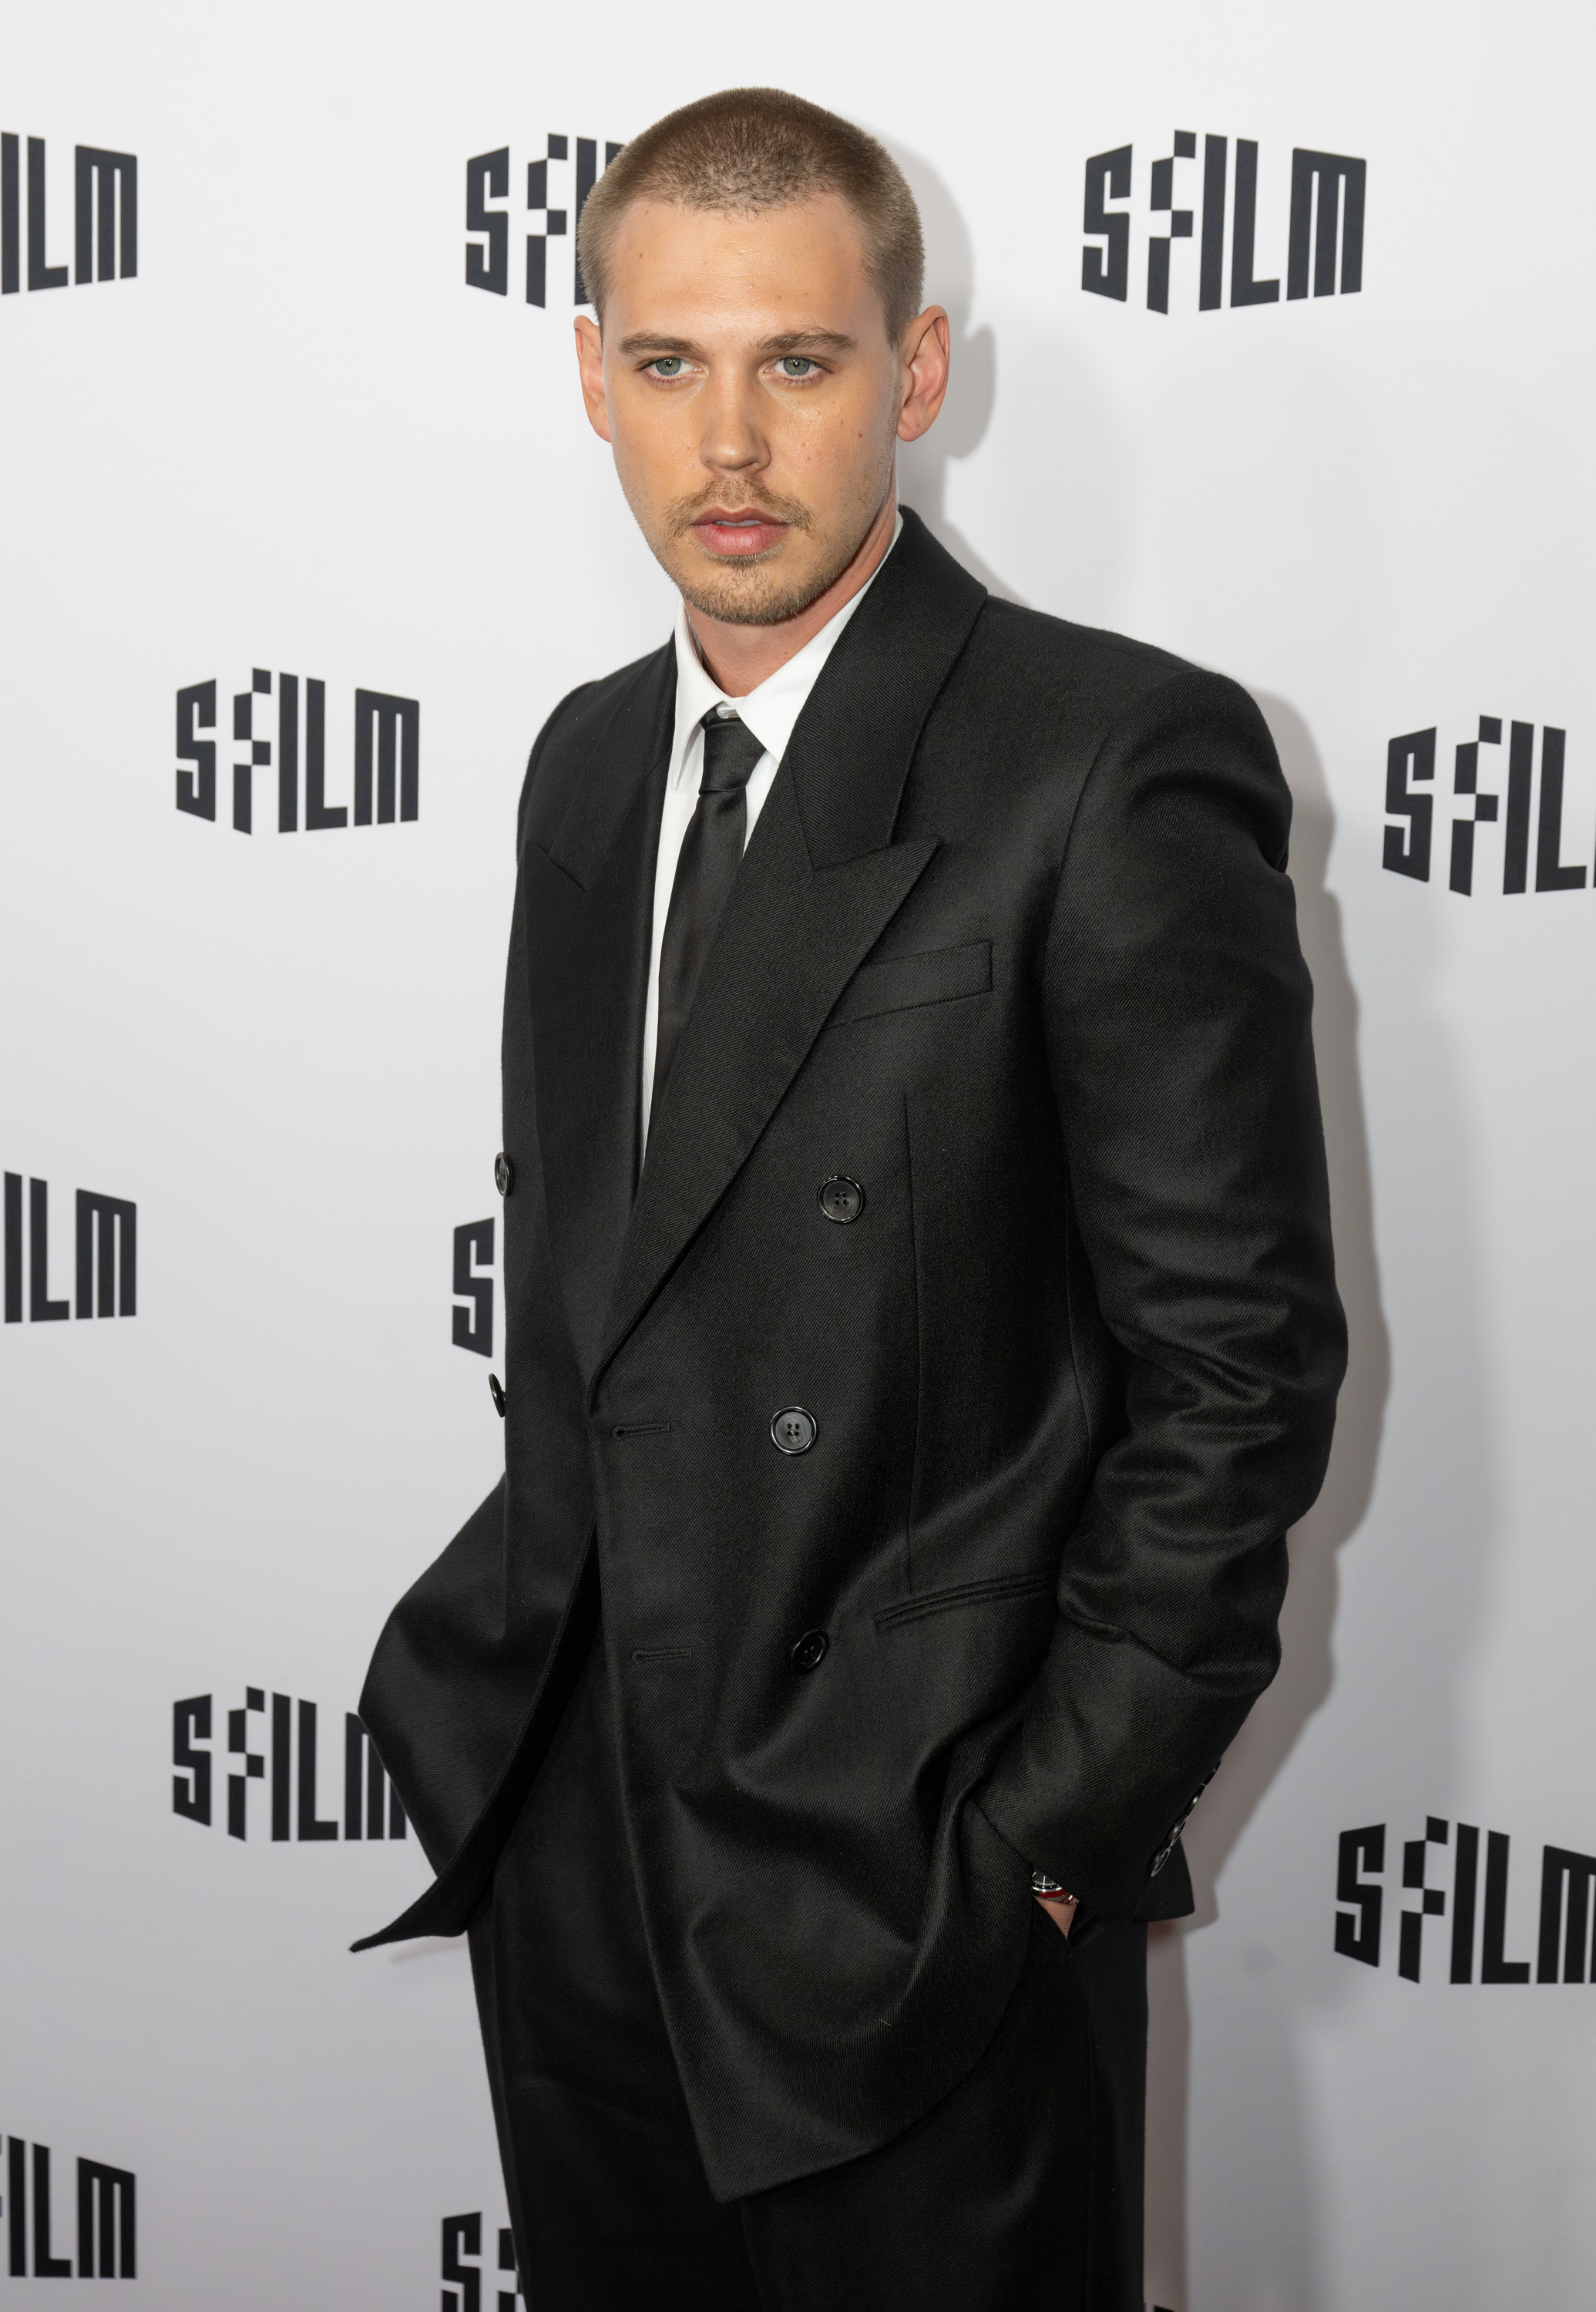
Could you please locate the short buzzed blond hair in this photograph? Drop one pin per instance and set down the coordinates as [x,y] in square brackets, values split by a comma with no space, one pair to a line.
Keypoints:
[749,149]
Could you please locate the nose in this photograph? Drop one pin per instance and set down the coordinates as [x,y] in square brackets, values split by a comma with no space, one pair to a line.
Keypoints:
[733,441]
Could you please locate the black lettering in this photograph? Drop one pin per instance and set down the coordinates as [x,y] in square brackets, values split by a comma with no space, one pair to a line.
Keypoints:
[282,1762]
[1105,272]
[488,173]
[1215,167]
[106,174]
[1245,289]
[554,222]
[13,1247]
[260,753]
[1326,172]
[310,1826]
[1433,1905]
[508,2297]
[1359,1937]
[1465,1879]
[463,2236]
[191,1784]
[237,1745]
[1492,1966]
[16,2202]
[1515,846]
[118,1280]
[1163,199]
[1558,1867]
[361,1763]
[196,711]
[354,1767]
[373,1796]
[398,735]
[47,2265]
[41,1309]
[40,274]
[473,1327]
[1408,849]
[319,812]
[111,2194]
[10,276]
[1466,782]
[287,754]
[243,774]
[1550,875]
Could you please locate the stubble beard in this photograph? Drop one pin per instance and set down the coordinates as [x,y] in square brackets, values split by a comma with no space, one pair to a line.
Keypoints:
[752,590]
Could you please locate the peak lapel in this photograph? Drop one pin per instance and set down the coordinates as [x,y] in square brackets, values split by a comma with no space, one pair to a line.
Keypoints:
[587,903]
[820,883]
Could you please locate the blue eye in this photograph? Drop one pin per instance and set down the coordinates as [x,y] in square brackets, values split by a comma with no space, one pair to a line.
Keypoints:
[667,366]
[796,365]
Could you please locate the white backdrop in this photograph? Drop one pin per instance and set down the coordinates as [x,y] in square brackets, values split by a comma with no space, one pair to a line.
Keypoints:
[297,441]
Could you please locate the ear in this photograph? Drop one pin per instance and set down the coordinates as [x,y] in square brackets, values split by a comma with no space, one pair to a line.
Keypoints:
[924,357]
[590,362]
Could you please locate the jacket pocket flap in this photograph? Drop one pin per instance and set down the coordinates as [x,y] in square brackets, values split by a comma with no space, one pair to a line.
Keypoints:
[899,983]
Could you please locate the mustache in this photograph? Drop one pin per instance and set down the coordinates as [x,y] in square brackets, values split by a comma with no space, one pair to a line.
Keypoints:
[748,498]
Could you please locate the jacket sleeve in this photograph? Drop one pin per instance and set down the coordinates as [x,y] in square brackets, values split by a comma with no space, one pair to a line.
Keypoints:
[1176,1009]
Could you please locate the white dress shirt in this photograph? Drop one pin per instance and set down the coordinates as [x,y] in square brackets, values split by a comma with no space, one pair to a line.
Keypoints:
[770,713]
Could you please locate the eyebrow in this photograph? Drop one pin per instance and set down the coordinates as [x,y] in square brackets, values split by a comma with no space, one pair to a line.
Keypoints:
[796,340]
[793,341]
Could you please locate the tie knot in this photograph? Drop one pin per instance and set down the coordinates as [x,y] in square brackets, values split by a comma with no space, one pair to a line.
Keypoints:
[731,750]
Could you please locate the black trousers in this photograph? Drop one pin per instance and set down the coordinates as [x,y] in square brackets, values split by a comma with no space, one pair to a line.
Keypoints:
[1022,2187]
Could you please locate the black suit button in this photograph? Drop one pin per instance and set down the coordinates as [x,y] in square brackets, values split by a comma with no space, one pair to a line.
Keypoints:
[497,1395]
[793,1430]
[841,1199]
[810,1651]
[503,1173]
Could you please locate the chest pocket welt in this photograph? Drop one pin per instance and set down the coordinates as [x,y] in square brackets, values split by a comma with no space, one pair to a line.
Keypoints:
[902,982]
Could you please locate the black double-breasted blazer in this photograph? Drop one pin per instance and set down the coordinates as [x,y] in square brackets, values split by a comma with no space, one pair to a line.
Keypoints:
[1013,949]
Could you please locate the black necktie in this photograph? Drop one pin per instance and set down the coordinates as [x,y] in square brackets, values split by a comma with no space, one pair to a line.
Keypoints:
[711,854]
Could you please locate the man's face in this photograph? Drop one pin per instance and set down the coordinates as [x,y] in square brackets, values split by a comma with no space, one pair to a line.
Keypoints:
[747,383]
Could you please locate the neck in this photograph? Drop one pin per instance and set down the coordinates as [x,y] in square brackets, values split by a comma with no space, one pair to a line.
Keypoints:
[740,658]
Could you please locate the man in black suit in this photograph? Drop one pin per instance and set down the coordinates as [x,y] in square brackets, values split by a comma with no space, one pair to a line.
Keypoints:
[921,1332]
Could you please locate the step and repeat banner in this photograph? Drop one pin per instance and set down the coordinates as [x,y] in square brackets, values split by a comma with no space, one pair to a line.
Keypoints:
[1271,343]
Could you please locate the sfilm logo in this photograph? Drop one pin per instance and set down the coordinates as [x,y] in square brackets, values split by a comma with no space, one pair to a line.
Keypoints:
[106,1226]
[1327,221]
[106,2218]
[371,1808]
[1566,1880]
[463,2245]
[107,193]
[472,1324]
[387,738]
[487,180]
[1410,767]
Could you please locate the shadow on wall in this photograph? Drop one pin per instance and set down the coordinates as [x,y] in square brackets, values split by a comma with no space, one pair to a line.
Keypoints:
[972,390]
[1308,1669]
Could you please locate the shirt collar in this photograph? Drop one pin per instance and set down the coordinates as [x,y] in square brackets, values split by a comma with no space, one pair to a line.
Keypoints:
[770,711]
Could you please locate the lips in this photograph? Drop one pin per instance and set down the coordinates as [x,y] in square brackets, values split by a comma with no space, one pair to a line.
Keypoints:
[736,533]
